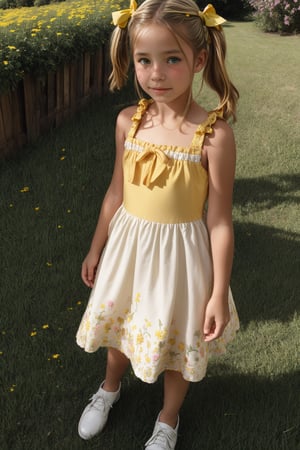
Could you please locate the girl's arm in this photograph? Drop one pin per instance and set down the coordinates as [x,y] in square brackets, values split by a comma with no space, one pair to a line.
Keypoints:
[221,156]
[111,202]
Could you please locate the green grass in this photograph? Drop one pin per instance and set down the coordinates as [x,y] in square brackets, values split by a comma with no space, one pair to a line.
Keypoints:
[250,398]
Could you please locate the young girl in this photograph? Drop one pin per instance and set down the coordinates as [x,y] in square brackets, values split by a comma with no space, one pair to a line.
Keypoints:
[160,272]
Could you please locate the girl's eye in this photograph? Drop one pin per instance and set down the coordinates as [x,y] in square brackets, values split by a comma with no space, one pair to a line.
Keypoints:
[144,61]
[173,60]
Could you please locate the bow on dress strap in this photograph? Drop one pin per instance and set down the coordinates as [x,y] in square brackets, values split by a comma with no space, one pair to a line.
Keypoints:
[153,161]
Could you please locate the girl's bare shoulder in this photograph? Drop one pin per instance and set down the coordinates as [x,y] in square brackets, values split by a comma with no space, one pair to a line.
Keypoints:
[221,136]
[125,116]
[219,146]
[124,121]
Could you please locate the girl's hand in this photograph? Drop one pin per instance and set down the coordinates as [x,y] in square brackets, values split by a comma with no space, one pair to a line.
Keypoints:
[89,268]
[216,318]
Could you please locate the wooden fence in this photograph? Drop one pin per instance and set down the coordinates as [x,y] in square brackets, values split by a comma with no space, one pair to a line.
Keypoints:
[40,103]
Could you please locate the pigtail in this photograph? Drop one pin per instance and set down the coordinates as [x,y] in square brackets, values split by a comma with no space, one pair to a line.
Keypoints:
[120,58]
[216,76]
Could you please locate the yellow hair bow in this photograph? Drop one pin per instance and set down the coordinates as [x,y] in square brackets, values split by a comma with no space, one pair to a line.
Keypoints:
[120,18]
[210,17]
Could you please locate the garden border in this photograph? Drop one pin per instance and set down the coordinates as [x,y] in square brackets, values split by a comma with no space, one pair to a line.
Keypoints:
[38,104]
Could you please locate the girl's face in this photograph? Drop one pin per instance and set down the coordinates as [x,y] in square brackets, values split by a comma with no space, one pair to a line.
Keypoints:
[164,66]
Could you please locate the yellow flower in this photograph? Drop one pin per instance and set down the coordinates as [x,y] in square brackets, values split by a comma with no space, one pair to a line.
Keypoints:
[181,346]
[139,338]
[45,326]
[11,47]
[49,264]
[33,333]
[160,334]
[24,189]
[55,356]
[62,158]
[5,63]
[107,327]
[37,208]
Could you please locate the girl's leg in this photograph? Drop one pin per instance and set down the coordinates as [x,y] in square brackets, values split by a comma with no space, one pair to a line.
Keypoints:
[95,414]
[175,390]
[166,426]
[116,366]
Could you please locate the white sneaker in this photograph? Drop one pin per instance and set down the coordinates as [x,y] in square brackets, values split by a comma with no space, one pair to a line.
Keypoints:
[95,414]
[164,437]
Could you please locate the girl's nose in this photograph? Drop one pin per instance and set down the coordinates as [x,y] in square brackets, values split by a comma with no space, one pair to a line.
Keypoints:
[157,74]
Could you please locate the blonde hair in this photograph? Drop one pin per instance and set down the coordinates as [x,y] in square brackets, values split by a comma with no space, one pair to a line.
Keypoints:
[182,18]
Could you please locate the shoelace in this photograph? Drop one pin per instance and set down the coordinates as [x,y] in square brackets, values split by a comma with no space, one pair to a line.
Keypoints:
[98,402]
[162,437]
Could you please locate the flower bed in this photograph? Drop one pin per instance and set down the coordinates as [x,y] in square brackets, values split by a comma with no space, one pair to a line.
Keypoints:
[52,59]
[277,15]
[37,40]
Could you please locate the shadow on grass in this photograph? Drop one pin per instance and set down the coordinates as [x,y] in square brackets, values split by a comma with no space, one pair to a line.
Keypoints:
[265,277]
[220,413]
[228,412]
[231,412]
[266,192]
[242,412]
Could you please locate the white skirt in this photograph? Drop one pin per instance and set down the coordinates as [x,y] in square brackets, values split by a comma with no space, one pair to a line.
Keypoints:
[149,298]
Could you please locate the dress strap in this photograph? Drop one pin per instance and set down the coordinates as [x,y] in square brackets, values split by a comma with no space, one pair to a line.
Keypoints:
[142,107]
[204,128]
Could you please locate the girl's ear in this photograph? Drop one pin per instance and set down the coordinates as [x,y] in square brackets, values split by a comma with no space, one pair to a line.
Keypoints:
[200,60]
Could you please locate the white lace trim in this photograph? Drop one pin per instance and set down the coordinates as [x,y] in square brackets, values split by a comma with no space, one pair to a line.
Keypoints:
[180,156]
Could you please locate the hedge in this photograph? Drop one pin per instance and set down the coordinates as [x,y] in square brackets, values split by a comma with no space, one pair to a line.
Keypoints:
[281,16]
[37,40]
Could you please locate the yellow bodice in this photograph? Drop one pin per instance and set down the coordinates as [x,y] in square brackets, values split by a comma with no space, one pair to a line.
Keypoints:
[165,184]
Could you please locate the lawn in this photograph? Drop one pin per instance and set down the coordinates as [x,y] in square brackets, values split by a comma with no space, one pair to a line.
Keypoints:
[49,202]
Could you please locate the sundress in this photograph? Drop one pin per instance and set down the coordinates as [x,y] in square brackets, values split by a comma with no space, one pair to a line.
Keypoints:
[155,276]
